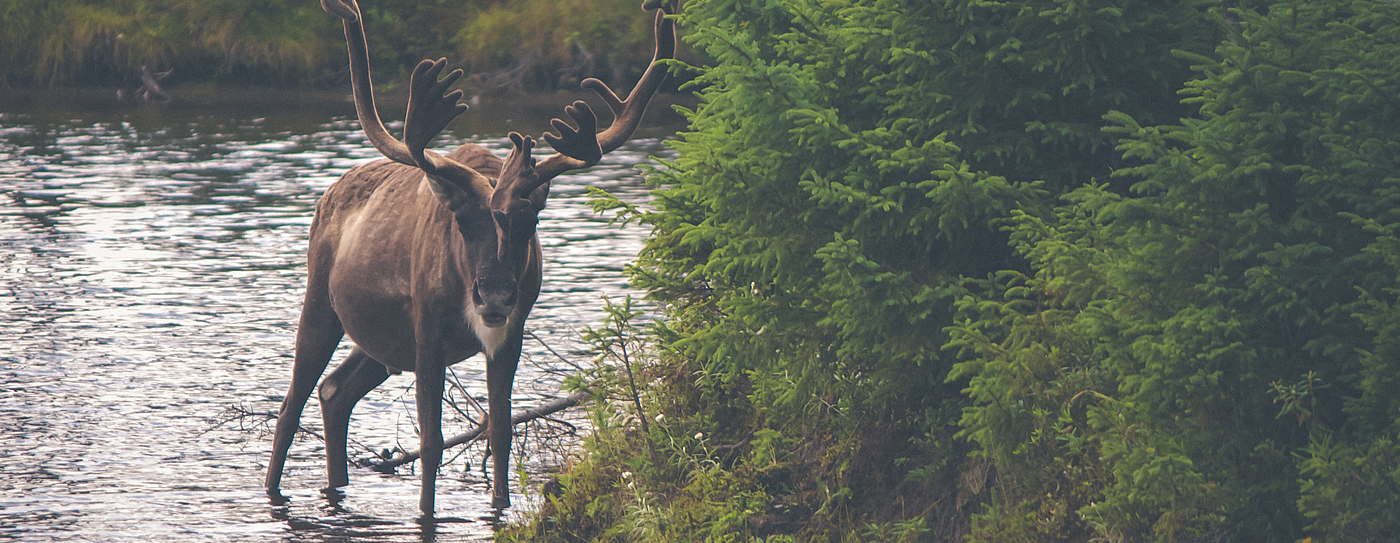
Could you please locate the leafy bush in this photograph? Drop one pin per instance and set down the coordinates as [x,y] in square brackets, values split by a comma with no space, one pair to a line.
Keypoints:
[943,270]
[1183,343]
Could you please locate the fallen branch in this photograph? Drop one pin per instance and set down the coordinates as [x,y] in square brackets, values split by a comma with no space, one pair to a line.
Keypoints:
[150,85]
[554,406]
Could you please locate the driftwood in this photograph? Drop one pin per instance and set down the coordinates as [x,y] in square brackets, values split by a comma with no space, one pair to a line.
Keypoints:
[150,85]
[549,408]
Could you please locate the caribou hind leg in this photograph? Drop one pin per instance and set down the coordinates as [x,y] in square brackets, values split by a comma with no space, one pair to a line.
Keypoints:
[339,392]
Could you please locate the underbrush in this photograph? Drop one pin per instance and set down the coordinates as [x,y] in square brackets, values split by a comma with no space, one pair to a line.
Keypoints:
[672,459]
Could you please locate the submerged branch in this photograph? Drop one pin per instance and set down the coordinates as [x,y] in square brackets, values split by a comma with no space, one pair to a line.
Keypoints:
[549,408]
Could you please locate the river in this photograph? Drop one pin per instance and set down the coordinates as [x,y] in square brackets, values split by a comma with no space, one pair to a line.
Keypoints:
[151,274]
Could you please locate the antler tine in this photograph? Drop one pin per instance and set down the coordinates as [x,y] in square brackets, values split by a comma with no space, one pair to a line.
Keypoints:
[519,176]
[576,148]
[430,108]
[358,47]
[627,114]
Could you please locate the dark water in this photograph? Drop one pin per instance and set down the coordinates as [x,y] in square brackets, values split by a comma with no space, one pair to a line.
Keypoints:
[151,272]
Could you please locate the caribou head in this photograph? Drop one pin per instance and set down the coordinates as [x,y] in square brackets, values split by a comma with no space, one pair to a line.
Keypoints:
[426,259]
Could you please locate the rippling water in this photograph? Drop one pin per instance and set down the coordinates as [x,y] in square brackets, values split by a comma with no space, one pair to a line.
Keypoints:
[151,272]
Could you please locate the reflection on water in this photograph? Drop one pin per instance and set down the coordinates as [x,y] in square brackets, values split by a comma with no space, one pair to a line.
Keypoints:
[151,270]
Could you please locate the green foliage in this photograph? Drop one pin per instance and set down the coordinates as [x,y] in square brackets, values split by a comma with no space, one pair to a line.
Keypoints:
[832,249]
[1032,271]
[1352,493]
[648,476]
[1219,319]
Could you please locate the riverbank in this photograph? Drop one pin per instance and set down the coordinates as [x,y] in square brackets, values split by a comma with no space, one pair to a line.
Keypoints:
[489,115]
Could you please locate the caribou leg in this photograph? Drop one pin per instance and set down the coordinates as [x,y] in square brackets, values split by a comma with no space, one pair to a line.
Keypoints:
[500,373]
[429,383]
[339,392]
[318,335]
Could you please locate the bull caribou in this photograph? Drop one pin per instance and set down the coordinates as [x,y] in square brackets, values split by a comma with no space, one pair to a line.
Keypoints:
[424,260]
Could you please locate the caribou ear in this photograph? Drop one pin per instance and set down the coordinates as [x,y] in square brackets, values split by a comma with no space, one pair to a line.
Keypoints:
[450,194]
[456,187]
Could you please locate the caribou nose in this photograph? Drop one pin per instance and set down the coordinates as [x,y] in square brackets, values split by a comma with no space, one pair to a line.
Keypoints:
[493,320]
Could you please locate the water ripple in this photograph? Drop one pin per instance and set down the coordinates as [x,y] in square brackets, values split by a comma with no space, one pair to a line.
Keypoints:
[150,279]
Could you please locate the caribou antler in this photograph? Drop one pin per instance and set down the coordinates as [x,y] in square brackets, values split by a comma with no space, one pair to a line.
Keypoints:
[374,129]
[518,176]
[574,149]
[430,111]
[430,107]
[582,144]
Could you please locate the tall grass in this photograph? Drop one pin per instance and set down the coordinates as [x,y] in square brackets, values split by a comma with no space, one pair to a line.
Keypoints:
[289,39]
[556,43]
[105,42]
[546,43]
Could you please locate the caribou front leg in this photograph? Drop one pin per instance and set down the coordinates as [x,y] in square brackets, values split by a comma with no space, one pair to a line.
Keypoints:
[429,382]
[500,373]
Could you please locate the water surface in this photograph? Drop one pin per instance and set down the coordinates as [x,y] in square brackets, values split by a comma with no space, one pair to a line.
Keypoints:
[151,273]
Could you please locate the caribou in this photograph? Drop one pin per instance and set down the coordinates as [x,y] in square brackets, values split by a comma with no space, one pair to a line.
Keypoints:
[425,259]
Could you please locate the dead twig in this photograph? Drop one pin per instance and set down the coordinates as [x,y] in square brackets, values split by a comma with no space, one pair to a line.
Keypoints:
[543,411]
[249,420]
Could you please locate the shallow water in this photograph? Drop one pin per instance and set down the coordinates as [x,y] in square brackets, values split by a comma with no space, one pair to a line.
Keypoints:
[151,272]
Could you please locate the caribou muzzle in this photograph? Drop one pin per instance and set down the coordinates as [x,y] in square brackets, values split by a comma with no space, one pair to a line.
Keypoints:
[494,301]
